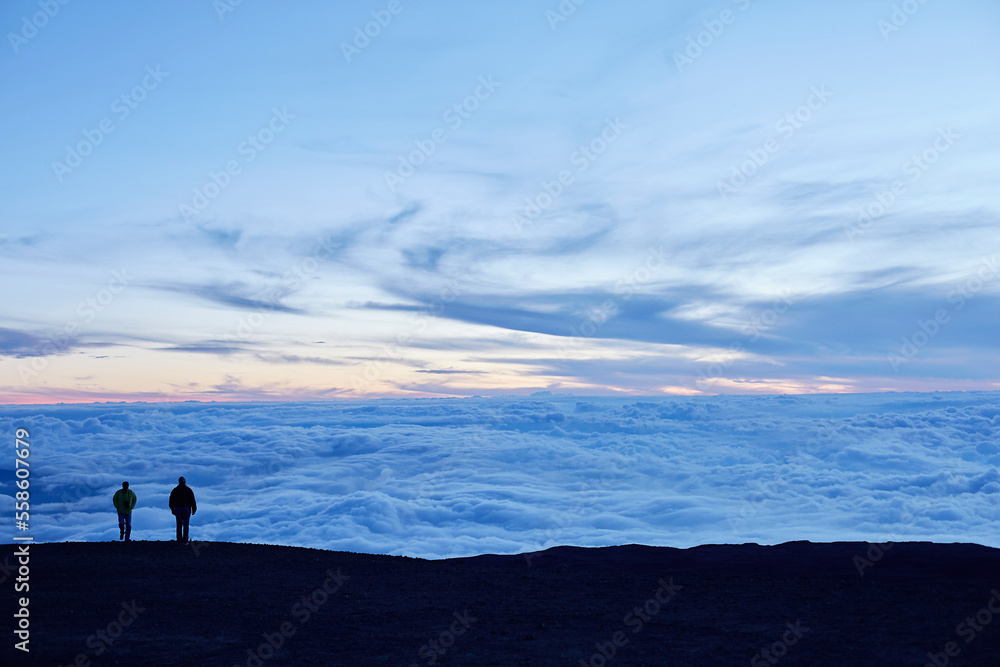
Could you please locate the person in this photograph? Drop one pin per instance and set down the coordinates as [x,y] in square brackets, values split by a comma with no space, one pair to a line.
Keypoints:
[182,506]
[124,501]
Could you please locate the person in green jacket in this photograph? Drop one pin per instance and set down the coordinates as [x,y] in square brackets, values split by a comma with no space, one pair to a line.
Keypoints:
[124,501]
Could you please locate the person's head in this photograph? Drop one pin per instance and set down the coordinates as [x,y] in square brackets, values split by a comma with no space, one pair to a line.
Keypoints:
[180,480]
[124,485]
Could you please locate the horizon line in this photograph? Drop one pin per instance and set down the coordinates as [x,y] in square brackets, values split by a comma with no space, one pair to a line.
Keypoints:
[535,394]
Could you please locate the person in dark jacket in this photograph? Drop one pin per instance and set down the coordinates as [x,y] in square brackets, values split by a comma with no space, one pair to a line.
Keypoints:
[124,501]
[182,506]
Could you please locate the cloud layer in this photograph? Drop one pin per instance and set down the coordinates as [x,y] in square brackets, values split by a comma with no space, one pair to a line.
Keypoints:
[441,478]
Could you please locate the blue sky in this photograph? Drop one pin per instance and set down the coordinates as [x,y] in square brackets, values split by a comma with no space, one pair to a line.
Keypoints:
[267,203]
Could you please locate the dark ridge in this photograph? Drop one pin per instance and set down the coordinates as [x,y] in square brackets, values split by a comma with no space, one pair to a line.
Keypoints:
[801,558]
[798,603]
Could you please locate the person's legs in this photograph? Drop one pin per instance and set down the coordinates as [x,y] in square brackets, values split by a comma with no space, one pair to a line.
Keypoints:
[128,527]
[121,526]
[183,514]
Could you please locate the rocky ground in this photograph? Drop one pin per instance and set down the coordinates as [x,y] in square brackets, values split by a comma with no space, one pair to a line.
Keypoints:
[209,603]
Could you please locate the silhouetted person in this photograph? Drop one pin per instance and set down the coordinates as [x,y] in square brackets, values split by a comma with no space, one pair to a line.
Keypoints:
[124,501]
[182,506]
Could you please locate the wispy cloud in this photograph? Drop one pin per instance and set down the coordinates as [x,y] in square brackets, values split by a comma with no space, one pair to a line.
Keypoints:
[856,209]
[16,343]
[236,294]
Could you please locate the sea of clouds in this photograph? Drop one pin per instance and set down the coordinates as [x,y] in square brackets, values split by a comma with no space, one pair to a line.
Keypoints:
[455,477]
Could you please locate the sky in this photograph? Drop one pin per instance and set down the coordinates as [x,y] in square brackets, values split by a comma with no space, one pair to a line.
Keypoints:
[309,201]
[446,477]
